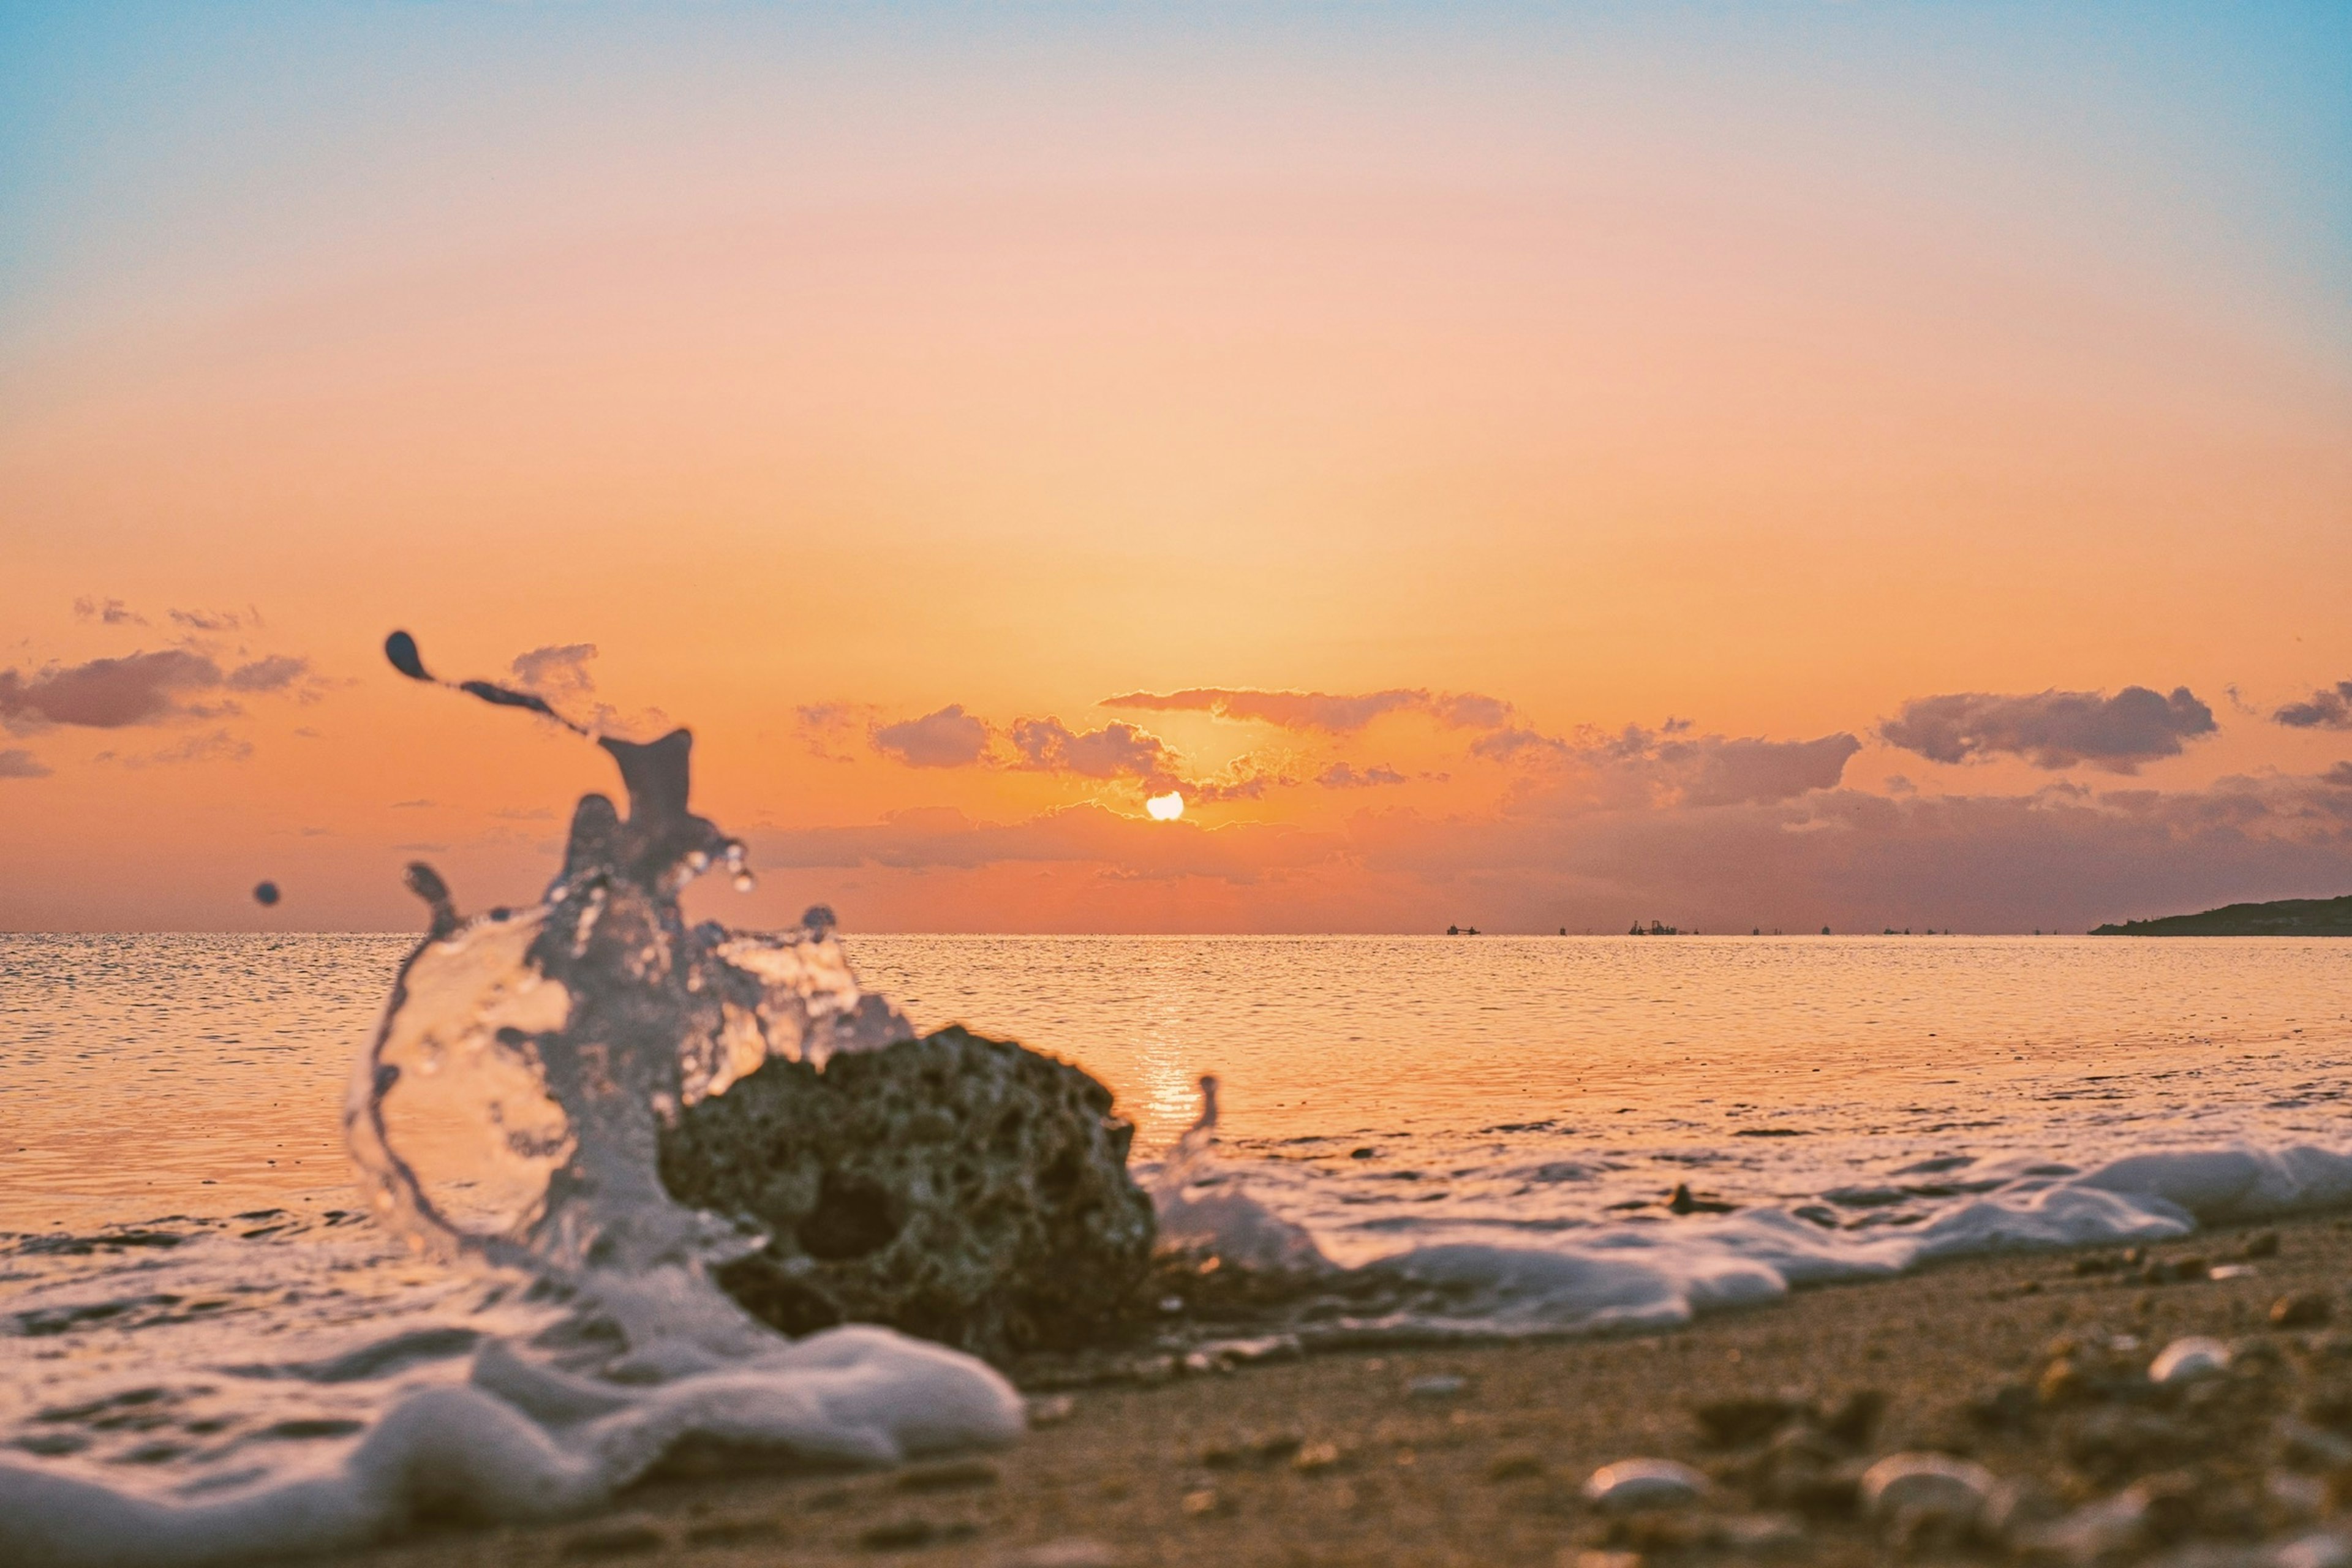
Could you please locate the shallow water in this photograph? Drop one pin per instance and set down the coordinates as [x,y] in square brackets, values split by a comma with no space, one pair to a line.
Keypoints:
[191,1295]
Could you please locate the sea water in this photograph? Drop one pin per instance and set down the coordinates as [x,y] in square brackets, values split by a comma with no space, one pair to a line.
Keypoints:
[197,1302]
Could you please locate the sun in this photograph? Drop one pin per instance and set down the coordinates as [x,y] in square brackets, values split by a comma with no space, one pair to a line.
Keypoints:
[1165,807]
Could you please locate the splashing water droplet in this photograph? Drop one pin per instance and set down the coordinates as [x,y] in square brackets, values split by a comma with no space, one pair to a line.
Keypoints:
[508,1107]
[745,882]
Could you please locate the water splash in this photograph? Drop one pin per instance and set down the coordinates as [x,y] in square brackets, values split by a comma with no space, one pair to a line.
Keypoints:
[509,1105]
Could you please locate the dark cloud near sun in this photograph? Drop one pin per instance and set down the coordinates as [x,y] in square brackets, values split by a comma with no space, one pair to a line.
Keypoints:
[1347,775]
[2052,729]
[950,738]
[1116,751]
[1670,765]
[2329,707]
[1339,715]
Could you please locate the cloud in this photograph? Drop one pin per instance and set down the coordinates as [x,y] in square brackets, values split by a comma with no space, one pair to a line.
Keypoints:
[1322,710]
[1715,771]
[109,693]
[2052,729]
[216,746]
[1114,751]
[2340,776]
[274,673]
[2326,708]
[15,762]
[109,612]
[1669,766]
[950,738]
[217,620]
[559,669]
[1081,835]
[1344,775]
[825,725]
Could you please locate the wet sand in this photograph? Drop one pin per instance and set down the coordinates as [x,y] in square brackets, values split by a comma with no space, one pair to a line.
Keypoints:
[1341,1458]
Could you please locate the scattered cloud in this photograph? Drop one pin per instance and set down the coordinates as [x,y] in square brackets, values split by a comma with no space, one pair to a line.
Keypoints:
[1088,834]
[137,689]
[411,804]
[2052,729]
[1247,779]
[15,762]
[110,693]
[107,612]
[1669,766]
[822,726]
[2065,856]
[2329,707]
[1338,715]
[214,746]
[217,620]
[1345,775]
[1116,751]
[274,673]
[950,738]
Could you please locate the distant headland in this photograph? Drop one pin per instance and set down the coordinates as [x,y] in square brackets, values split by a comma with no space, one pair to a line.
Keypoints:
[2279,916]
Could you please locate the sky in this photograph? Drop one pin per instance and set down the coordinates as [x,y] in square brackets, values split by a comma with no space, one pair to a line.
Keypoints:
[1749,465]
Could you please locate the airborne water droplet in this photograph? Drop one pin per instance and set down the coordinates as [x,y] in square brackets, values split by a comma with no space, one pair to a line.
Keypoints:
[745,882]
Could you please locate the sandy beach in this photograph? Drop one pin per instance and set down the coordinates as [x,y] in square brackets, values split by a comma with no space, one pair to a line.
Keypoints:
[1477,1455]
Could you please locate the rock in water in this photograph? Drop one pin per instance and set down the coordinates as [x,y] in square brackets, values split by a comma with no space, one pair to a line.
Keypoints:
[960,1188]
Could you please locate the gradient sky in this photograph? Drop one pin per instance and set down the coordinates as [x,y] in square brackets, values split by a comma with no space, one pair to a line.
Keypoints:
[1784,464]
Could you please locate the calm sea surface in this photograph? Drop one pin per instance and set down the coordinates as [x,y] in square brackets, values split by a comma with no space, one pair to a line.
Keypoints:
[145,1074]
[187,1289]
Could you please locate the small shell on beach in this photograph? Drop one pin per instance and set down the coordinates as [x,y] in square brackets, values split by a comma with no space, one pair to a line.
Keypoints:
[2186,1359]
[1074,1552]
[1926,1486]
[1632,1485]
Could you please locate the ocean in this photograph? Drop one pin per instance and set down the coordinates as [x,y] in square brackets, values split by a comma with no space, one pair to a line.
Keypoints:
[194,1302]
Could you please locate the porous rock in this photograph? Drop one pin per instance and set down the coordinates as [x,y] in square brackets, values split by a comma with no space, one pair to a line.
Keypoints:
[963,1189]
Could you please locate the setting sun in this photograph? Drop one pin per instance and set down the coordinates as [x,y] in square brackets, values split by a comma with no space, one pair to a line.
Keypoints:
[1165,807]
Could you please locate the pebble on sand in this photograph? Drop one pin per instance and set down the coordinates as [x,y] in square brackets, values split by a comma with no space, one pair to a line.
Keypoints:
[1632,1486]
[2186,1359]
[1926,1486]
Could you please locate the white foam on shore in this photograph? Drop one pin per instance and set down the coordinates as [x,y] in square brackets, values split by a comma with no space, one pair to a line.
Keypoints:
[1657,1274]
[847,1395]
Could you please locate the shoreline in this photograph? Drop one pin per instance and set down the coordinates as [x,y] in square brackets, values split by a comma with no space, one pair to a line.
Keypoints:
[1475,1454]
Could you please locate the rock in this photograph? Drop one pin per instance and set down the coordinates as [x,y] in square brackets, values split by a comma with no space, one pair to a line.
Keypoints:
[2305,1444]
[2186,1359]
[2304,1310]
[1920,1487]
[2324,1550]
[957,1187]
[2108,1528]
[1637,1486]
[2263,1244]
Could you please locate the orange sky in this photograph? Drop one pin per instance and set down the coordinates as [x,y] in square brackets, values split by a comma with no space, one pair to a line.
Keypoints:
[1622,376]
